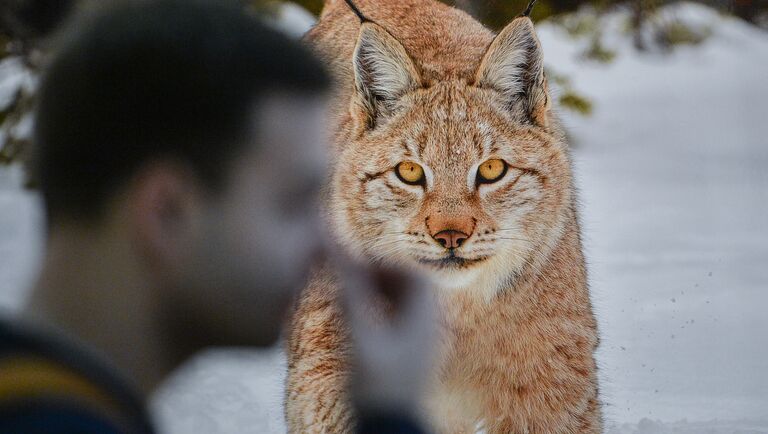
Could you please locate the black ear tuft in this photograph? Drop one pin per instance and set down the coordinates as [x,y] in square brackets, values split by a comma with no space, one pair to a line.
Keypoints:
[356,10]
[528,9]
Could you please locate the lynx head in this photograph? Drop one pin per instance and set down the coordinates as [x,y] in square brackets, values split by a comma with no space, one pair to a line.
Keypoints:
[460,176]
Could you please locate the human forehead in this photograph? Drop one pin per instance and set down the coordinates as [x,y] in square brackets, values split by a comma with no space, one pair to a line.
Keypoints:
[289,126]
[286,140]
[286,143]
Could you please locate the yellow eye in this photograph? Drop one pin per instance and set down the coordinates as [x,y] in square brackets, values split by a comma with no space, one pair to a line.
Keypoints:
[410,173]
[491,171]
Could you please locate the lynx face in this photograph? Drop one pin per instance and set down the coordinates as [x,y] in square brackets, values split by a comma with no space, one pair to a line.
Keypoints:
[454,176]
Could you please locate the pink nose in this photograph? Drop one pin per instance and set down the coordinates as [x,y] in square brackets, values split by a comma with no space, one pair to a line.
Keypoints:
[450,239]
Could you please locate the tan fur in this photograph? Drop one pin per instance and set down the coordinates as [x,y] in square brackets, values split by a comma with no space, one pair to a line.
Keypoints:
[519,333]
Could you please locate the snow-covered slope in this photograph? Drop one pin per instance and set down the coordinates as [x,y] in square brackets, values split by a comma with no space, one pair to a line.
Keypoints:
[20,237]
[674,191]
[672,172]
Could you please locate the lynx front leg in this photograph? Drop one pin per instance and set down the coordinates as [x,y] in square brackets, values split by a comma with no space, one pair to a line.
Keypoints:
[315,400]
[551,404]
[588,421]
[315,403]
[549,385]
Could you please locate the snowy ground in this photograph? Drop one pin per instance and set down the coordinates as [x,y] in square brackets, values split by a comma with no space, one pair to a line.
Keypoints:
[674,187]
[675,200]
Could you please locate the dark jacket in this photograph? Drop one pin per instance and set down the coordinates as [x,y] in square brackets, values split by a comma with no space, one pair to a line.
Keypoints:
[48,384]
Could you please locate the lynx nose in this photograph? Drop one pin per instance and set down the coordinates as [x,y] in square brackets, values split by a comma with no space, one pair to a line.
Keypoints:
[450,239]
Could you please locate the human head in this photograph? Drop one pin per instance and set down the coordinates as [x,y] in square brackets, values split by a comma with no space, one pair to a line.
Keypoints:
[196,123]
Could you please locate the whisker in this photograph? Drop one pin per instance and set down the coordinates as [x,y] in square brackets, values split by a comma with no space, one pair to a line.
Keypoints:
[491,240]
[514,239]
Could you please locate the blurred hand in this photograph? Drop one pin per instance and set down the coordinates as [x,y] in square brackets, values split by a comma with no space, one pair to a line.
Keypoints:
[392,348]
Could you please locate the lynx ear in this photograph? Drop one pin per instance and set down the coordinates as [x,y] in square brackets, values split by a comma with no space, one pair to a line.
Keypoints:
[383,71]
[513,65]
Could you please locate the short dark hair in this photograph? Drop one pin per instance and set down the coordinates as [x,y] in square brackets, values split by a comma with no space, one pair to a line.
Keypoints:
[162,79]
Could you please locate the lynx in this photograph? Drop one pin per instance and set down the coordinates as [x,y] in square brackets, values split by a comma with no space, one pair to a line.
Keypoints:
[447,157]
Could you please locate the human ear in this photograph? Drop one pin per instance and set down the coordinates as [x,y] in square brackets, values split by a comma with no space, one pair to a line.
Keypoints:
[164,201]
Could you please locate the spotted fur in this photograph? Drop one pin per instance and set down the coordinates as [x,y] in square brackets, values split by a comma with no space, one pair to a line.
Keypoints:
[424,82]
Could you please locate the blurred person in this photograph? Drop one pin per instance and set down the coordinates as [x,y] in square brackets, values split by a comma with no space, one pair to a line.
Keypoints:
[179,156]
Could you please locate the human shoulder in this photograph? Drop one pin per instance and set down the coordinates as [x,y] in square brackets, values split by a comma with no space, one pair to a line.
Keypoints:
[50,383]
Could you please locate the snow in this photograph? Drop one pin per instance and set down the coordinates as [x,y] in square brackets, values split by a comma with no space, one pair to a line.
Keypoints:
[672,174]
[13,76]
[20,237]
[293,19]
[671,169]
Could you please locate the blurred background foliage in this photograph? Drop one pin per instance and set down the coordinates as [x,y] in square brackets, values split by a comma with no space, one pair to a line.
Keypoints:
[496,13]
[24,25]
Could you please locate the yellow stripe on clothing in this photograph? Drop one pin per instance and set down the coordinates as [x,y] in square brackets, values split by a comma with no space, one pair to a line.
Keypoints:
[23,377]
